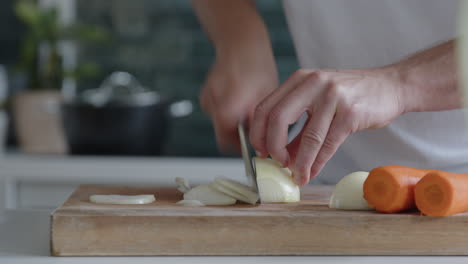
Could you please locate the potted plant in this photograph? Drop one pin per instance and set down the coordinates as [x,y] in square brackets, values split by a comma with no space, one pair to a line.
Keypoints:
[36,110]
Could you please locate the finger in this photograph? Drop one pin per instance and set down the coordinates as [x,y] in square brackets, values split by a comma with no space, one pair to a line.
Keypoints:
[293,146]
[226,136]
[313,136]
[287,112]
[337,134]
[258,128]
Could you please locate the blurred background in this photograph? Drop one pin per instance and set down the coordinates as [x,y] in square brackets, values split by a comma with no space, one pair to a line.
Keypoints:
[111,77]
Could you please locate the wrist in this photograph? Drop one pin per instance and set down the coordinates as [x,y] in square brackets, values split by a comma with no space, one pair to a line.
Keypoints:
[248,60]
[396,80]
[246,49]
[427,81]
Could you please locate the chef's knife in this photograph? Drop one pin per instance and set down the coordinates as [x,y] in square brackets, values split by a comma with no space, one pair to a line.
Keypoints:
[248,161]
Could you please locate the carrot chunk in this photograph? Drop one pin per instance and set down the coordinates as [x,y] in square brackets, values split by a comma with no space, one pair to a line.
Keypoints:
[442,193]
[390,188]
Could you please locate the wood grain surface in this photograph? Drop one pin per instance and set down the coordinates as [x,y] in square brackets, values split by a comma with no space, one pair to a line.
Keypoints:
[81,228]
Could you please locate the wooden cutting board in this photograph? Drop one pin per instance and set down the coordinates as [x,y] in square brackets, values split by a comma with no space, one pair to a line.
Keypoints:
[81,228]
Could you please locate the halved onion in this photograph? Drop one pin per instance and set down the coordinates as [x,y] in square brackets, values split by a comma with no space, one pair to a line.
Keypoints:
[348,193]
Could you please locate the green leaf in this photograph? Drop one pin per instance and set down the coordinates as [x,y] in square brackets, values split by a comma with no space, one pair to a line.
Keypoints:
[28,12]
[28,51]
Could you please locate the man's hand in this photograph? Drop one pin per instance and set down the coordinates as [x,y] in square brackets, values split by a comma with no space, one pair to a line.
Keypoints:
[231,92]
[341,102]
[244,71]
[338,103]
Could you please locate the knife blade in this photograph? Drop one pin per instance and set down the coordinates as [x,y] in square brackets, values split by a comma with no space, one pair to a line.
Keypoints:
[248,160]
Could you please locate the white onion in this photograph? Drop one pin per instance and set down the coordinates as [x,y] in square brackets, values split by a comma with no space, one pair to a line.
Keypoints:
[235,189]
[122,199]
[208,196]
[190,203]
[275,184]
[348,193]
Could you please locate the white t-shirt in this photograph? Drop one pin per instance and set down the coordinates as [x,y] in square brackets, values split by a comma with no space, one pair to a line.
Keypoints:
[371,33]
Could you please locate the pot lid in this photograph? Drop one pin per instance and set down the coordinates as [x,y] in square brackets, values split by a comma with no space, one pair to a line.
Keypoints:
[120,88]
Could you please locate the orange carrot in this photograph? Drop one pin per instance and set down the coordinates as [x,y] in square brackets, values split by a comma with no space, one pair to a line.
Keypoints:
[390,189]
[442,193]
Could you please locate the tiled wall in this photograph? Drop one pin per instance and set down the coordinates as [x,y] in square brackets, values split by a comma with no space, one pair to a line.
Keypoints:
[162,44]
[10,34]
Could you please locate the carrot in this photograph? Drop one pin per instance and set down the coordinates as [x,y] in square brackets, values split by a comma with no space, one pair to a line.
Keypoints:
[442,193]
[390,188]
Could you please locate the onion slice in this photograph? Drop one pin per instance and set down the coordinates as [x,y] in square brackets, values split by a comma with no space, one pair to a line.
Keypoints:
[208,196]
[235,189]
[122,199]
[190,203]
[275,184]
[348,193]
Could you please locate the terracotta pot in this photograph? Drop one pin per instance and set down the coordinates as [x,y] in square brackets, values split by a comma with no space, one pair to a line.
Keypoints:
[38,122]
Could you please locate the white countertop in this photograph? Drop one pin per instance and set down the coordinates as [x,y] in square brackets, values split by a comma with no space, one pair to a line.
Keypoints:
[24,234]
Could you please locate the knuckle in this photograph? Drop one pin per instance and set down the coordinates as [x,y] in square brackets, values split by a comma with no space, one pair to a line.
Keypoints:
[312,138]
[314,76]
[334,88]
[351,110]
[261,110]
[275,117]
[329,145]
[300,73]
[332,93]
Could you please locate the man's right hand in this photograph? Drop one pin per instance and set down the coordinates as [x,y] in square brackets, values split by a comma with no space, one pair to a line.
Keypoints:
[244,71]
[232,90]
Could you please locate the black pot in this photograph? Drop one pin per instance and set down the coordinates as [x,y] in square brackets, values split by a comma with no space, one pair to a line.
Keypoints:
[121,117]
[116,129]
[119,129]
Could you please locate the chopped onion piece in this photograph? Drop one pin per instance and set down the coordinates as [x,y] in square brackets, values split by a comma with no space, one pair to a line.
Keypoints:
[190,203]
[208,196]
[182,184]
[122,199]
[235,189]
[275,184]
[348,193]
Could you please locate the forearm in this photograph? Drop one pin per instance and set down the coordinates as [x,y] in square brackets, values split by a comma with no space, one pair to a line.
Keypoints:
[234,27]
[429,80]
